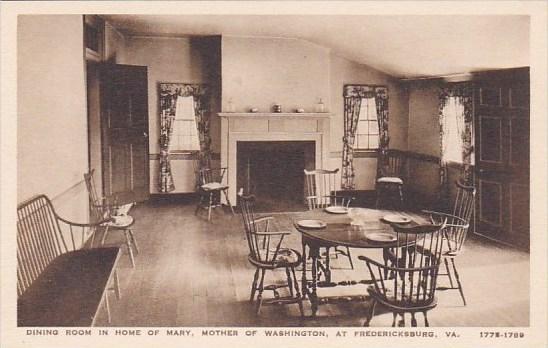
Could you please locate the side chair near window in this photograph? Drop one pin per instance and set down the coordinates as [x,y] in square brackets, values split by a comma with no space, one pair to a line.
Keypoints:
[59,283]
[266,253]
[390,177]
[210,186]
[101,210]
[456,230]
[321,193]
[408,284]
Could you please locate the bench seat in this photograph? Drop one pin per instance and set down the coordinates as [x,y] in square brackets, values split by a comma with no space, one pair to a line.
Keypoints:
[70,290]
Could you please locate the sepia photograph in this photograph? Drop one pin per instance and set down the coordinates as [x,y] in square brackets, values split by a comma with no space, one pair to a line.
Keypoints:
[334,173]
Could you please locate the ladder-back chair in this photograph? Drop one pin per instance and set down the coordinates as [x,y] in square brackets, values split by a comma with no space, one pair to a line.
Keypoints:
[456,231]
[266,253]
[101,208]
[210,186]
[408,285]
[321,193]
[390,177]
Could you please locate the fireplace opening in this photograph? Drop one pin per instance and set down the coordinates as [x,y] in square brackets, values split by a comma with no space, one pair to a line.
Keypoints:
[274,172]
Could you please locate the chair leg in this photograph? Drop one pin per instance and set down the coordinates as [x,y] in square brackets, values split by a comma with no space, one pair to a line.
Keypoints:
[200,204]
[228,202]
[400,189]
[260,295]
[413,320]
[129,248]
[254,285]
[402,321]
[298,291]
[209,206]
[289,281]
[458,281]
[104,236]
[426,323]
[134,241]
[394,316]
[370,314]
[448,272]
[107,307]
[349,258]
[117,285]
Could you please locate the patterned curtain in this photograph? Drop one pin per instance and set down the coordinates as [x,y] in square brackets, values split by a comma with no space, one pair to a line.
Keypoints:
[353,95]
[463,94]
[169,92]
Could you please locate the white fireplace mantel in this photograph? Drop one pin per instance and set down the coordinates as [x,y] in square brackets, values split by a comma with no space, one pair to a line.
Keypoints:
[236,127]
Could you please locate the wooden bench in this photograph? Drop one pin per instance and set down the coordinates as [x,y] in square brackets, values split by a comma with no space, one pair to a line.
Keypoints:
[59,284]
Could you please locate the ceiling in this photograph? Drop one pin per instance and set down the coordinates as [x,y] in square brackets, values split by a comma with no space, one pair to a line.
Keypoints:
[405,46]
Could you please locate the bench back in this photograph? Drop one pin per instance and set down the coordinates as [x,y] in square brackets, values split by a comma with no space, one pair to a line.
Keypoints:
[39,240]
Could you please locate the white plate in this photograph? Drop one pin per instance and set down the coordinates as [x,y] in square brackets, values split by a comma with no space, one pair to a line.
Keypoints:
[336,210]
[381,237]
[398,219]
[311,223]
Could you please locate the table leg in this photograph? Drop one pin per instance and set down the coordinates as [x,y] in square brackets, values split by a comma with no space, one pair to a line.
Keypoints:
[327,270]
[314,254]
[304,284]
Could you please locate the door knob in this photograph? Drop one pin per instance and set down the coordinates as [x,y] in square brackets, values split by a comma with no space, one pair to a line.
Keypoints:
[145,134]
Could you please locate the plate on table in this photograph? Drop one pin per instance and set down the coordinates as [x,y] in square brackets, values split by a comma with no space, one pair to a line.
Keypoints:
[337,210]
[311,223]
[381,237]
[397,219]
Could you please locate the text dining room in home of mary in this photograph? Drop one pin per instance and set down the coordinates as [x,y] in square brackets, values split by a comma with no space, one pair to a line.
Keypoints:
[192,170]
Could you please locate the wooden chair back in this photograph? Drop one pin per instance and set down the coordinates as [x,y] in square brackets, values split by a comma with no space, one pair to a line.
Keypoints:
[321,188]
[263,245]
[392,165]
[99,208]
[39,240]
[409,281]
[458,224]
[210,175]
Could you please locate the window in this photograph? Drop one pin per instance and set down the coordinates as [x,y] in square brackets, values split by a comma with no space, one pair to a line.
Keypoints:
[367,133]
[452,130]
[185,131]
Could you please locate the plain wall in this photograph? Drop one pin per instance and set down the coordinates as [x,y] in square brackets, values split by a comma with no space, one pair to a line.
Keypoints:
[260,72]
[183,60]
[52,140]
[424,137]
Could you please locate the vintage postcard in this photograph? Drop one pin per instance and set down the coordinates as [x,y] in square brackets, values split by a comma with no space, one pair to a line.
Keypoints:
[315,173]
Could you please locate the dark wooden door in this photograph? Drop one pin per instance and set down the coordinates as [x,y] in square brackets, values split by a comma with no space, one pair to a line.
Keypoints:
[502,159]
[124,128]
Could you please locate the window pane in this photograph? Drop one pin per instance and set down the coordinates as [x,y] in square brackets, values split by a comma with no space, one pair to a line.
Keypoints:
[373,127]
[372,109]
[362,127]
[373,141]
[361,142]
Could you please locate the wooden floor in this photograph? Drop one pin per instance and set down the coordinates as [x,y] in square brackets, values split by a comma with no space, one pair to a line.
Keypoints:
[191,272]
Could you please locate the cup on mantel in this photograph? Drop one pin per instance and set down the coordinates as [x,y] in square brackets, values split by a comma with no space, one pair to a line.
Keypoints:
[277,108]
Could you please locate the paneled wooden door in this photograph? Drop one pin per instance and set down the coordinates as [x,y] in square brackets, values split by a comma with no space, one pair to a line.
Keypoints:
[502,160]
[124,129]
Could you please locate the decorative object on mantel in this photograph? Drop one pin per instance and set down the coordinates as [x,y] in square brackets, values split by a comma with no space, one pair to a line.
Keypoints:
[254,110]
[277,108]
[300,110]
[320,107]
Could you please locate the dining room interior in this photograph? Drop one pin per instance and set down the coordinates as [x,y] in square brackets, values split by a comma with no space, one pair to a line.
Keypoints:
[281,170]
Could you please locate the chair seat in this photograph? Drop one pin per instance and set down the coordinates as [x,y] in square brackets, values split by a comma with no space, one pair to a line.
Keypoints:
[213,186]
[69,290]
[285,258]
[390,180]
[389,297]
[123,221]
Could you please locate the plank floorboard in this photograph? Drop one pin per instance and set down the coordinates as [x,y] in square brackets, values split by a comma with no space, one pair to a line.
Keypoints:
[191,272]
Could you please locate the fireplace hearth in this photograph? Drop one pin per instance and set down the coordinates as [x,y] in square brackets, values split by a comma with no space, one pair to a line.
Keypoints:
[273,172]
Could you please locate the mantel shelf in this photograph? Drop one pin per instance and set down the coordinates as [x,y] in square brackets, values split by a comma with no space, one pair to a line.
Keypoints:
[277,114]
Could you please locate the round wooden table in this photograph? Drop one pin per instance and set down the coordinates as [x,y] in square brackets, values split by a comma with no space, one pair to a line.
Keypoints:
[339,231]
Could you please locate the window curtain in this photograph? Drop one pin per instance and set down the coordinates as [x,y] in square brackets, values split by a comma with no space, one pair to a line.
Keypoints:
[169,92]
[462,94]
[353,95]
